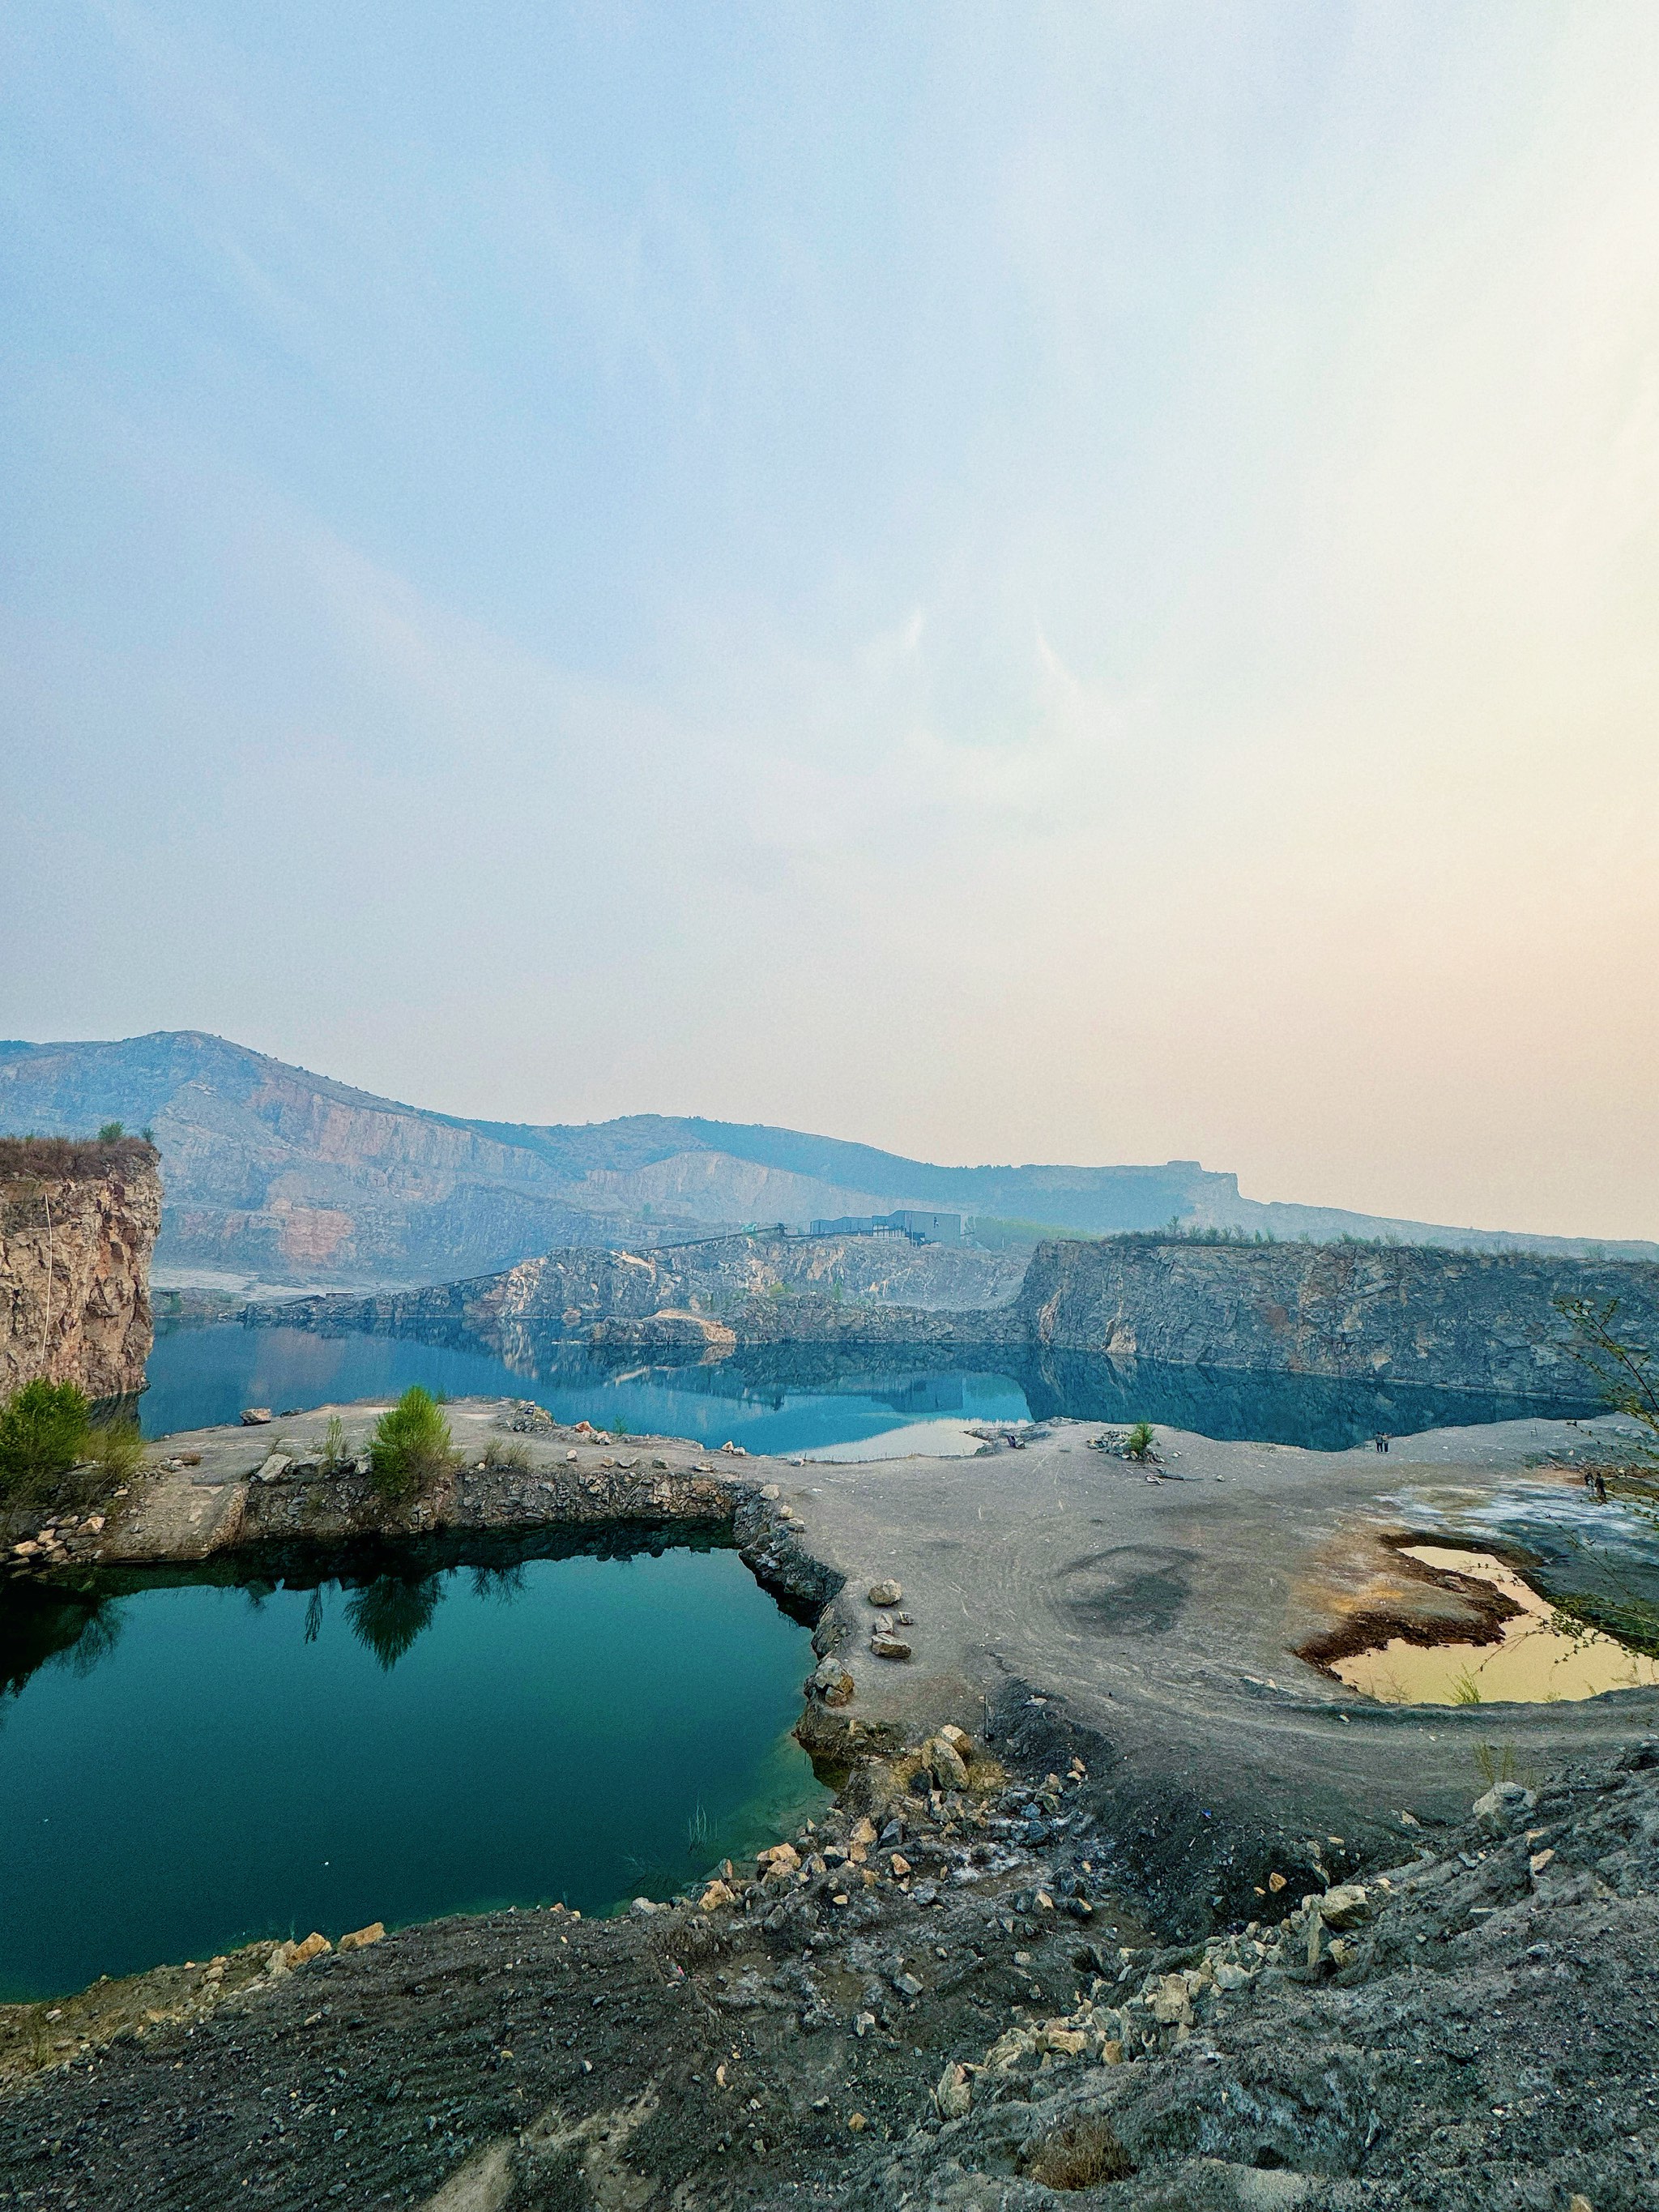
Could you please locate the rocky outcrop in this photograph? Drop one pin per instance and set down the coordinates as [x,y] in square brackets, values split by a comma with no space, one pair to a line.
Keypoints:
[77,1225]
[1326,1314]
[1346,1312]
[758,1289]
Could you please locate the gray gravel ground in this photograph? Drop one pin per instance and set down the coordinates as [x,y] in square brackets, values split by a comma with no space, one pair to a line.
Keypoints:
[1071,1929]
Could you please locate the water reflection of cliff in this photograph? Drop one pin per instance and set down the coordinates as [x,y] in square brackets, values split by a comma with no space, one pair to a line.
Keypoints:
[1315,1411]
[1273,1407]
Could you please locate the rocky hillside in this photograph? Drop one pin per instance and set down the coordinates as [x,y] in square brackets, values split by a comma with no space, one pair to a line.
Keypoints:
[275,1173]
[77,1225]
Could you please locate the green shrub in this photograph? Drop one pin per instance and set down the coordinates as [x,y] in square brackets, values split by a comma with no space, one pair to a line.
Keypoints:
[335,1454]
[44,1433]
[1139,1442]
[111,1132]
[116,1447]
[411,1445]
[506,1459]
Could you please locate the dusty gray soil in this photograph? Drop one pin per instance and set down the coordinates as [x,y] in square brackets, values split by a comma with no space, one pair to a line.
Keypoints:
[1152,1771]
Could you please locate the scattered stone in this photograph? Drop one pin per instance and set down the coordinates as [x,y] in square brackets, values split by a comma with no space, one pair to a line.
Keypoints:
[1504,1807]
[256,1417]
[885,1594]
[946,1762]
[314,1946]
[889,1647]
[361,1938]
[832,1682]
[715,1895]
[954,2093]
[1344,1907]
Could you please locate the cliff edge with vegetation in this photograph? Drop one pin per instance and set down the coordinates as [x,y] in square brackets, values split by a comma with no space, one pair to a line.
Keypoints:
[78,1223]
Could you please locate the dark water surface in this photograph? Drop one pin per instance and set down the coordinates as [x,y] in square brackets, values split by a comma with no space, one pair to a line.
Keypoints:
[187,1763]
[790,1399]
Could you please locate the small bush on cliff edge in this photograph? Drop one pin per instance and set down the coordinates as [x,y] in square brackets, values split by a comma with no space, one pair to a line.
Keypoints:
[44,1428]
[411,1445]
[48,1428]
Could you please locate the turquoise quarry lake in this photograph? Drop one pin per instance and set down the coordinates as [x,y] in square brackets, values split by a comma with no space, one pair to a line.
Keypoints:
[189,1763]
[788,1399]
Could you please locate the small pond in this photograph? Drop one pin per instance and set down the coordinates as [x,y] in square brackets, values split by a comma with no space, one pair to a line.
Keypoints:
[1541,1657]
[789,1398]
[188,1762]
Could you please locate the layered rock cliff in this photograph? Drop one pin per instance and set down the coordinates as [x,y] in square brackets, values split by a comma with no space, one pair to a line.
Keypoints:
[1346,1312]
[78,1223]
[771,1289]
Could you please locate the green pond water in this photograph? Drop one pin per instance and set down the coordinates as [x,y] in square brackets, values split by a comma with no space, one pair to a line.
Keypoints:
[187,1763]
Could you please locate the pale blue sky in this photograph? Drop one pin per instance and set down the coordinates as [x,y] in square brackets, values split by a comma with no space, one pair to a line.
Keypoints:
[1013,582]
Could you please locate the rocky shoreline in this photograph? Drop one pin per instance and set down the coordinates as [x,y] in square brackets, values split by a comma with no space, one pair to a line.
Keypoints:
[990,1977]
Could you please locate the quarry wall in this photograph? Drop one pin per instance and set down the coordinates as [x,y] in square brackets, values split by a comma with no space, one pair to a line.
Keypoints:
[1401,1314]
[1344,1312]
[78,1223]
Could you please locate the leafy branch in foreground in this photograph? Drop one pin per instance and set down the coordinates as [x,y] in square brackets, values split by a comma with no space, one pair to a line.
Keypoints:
[1626,1379]
[1624,1374]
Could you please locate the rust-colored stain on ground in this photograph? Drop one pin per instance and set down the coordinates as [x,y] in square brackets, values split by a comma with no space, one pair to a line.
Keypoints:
[1537,1659]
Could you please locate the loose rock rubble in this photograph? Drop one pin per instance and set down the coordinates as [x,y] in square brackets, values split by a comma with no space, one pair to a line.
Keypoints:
[929,2000]
[1474,2027]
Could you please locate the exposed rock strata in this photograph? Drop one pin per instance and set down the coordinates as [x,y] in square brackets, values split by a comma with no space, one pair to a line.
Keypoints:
[1342,1312]
[77,1225]
[769,1288]
[1333,1312]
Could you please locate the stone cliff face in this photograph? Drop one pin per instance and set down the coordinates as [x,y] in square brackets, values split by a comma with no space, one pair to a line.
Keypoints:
[769,1288]
[1468,1321]
[77,1225]
[1350,1314]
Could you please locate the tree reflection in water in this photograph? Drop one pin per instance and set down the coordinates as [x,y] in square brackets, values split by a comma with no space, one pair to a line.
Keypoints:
[43,1624]
[41,1628]
[503,1583]
[390,1613]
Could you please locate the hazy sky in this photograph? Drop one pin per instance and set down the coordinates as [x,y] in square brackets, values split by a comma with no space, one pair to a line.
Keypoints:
[1069,582]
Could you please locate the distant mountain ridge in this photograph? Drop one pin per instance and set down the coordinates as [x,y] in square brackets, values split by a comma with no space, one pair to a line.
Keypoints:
[273,1172]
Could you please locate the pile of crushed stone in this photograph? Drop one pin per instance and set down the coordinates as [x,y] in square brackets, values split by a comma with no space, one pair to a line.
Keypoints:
[1477,2027]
